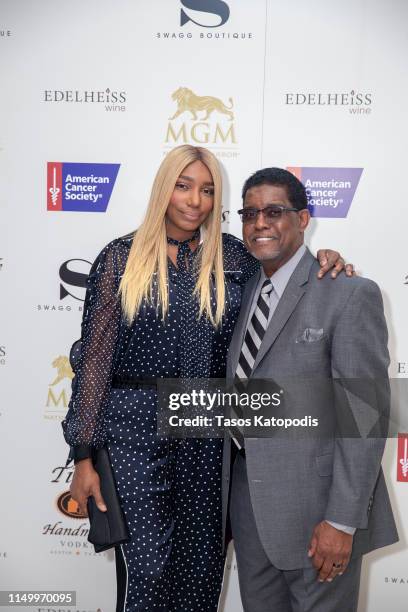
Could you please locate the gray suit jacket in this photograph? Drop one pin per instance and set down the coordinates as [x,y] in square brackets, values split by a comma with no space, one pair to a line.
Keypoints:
[329,329]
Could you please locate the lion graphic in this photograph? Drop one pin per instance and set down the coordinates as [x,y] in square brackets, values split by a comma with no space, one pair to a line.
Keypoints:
[187,100]
[64,369]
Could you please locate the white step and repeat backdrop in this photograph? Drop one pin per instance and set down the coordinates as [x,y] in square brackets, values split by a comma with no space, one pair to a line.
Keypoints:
[91,89]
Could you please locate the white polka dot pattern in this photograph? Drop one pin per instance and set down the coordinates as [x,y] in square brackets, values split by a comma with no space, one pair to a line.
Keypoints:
[169,489]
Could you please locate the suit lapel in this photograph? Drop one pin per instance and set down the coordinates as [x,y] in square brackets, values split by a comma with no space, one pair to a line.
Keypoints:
[294,291]
[240,326]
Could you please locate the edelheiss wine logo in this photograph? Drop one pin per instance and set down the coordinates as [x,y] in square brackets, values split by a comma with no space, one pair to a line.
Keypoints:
[330,190]
[78,187]
[402,367]
[354,102]
[112,100]
[202,120]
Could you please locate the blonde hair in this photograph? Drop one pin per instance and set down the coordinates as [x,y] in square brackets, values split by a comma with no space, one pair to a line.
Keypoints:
[148,253]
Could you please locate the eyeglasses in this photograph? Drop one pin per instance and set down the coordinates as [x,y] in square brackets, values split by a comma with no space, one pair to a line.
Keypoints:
[271,213]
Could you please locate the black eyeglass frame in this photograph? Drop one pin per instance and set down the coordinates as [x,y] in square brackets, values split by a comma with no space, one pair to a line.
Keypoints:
[273,207]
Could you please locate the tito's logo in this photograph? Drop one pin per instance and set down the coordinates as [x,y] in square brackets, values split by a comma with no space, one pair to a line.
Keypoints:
[209,7]
[68,506]
[214,126]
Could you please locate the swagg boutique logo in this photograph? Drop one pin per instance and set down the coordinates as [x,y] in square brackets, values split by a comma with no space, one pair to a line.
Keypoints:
[72,287]
[402,462]
[79,187]
[202,120]
[215,8]
[330,190]
[208,15]
[59,390]
[72,280]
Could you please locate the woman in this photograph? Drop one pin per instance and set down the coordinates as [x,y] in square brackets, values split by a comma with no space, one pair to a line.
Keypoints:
[162,303]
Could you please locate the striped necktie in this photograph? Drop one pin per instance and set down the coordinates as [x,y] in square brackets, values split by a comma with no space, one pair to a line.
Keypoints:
[250,347]
[255,332]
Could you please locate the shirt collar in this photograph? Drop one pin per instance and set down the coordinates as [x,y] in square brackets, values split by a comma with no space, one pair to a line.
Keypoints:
[281,277]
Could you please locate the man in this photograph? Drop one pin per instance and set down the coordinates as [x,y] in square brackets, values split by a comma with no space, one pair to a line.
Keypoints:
[303,509]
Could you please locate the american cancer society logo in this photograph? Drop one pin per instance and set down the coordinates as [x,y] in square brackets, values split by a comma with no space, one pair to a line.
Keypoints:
[330,190]
[402,464]
[80,187]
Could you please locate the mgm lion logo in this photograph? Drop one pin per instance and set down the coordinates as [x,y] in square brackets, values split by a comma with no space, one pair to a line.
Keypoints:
[64,369]
[187,100]
[57,400]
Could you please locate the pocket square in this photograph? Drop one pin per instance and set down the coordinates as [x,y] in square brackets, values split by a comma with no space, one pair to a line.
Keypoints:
[310,335]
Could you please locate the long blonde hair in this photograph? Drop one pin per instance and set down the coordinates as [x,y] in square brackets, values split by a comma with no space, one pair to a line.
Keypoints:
[148,253]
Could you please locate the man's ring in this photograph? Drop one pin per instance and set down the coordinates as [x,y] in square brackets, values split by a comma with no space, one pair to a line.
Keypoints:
[337,565]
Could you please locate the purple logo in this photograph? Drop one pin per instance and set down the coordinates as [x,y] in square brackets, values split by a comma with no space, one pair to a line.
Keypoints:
[80,187]
[330,190]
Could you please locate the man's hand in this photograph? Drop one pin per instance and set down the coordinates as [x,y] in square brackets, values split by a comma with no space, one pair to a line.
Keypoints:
[84,484]
[330,550]
[332,260]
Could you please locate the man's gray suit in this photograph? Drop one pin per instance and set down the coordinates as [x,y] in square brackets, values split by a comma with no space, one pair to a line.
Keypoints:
[327,329]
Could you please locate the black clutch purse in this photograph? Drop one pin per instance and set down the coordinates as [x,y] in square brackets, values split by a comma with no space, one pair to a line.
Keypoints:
[107,529]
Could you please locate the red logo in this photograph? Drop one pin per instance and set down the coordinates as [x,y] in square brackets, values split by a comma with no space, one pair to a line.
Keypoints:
[402,463]
[54,186]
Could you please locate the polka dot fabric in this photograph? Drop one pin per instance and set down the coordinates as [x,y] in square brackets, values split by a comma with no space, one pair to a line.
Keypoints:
[170,489]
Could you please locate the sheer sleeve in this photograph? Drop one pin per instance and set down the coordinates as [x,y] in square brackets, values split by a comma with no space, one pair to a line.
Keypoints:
[85,426]
[238,260]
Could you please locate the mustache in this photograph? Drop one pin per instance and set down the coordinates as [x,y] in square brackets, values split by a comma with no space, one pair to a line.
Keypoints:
[257,236]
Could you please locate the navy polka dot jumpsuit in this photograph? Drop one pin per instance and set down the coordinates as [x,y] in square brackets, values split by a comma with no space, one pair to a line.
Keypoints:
[170,489]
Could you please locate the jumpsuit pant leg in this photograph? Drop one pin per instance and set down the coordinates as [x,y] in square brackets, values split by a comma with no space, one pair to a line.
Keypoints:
[171,496]
[142,463]
[197,558]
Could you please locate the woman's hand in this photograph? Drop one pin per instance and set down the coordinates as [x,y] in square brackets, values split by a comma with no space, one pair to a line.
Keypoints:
[84,484]
[332,260]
